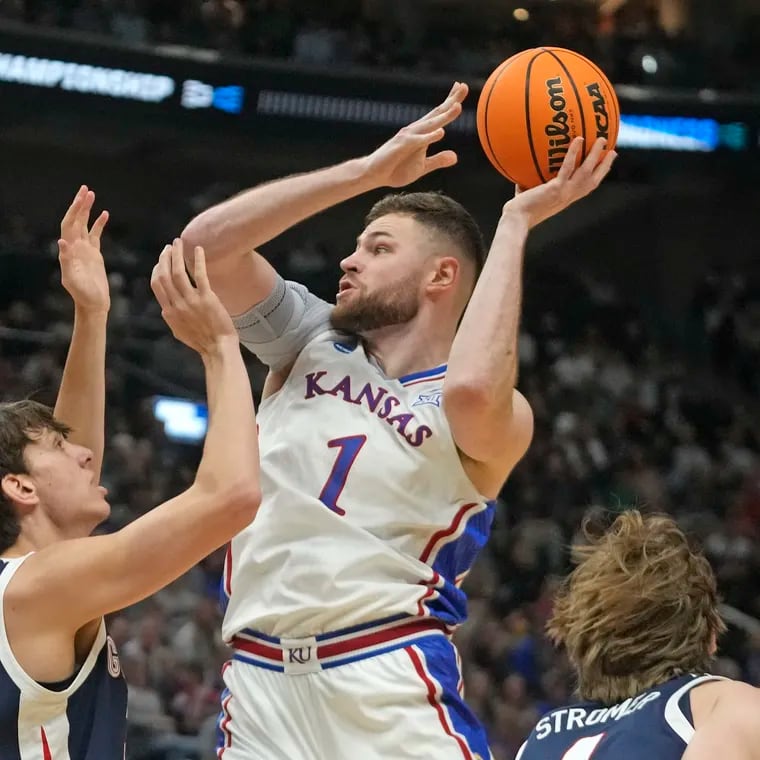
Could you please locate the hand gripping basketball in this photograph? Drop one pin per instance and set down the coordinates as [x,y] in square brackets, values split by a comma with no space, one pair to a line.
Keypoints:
[570,185]
[404,158]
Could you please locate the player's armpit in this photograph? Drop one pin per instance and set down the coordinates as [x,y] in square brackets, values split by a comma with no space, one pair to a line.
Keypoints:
[73,582]
[731,729]
[493,436]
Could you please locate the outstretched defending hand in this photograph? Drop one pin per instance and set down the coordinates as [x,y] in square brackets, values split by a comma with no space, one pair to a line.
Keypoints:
[194,313]
[83,271]
[570,185]
[404,158]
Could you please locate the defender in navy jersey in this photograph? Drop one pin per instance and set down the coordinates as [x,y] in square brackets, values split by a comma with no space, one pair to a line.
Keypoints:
[639,619]
[62,694]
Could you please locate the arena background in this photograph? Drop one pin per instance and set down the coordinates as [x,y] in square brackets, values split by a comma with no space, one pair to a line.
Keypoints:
[640,346]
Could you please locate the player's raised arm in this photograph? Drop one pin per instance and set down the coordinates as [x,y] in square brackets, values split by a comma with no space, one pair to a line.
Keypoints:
[157,548]
[730,727]
[81,397]
[491,423]
[231,231]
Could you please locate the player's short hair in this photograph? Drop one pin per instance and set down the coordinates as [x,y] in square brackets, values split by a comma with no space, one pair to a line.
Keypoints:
[441,214]
[20,423]
[640,608]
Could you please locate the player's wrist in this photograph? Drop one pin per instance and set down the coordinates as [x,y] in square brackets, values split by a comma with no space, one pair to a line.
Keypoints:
[219,349]
[90,313]
[517,219]
[365,174]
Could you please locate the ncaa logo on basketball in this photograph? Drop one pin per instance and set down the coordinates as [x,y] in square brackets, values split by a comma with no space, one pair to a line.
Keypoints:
[112,658]
[600,110]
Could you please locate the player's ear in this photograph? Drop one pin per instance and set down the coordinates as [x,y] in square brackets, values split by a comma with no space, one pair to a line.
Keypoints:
[20,491]
[445,274]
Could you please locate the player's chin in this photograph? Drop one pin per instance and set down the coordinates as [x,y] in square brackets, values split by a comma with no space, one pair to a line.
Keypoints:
[97,513]
[342,317]
[101,509]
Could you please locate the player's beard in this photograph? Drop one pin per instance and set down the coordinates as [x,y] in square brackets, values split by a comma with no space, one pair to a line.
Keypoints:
[393,304]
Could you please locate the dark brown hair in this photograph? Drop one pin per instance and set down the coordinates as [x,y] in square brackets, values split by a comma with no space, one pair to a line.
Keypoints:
[20,423]
[640,608]
[441,214]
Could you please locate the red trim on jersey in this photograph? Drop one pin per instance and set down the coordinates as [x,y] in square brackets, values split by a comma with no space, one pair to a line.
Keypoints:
[257,648]
[46,753]
[227,718]
[444,533]
[223,727]
[373,639]
[434,379]
[431,690]
[421,603]
[432,587]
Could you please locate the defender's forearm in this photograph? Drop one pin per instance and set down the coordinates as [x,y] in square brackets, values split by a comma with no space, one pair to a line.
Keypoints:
[82,396]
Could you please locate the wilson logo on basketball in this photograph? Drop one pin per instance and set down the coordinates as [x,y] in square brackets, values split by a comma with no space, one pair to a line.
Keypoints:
[558,131]
[600,110]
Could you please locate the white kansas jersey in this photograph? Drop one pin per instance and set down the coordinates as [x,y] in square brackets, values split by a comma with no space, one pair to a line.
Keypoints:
[367,512]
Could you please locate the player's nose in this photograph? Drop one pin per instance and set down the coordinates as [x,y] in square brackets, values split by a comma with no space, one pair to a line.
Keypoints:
[350,263]
[84,456]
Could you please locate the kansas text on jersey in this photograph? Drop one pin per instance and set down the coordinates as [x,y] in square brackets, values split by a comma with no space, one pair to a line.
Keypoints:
[367,513]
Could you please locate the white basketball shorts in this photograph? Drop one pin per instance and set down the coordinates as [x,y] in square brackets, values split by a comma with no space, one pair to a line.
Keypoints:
[383,691]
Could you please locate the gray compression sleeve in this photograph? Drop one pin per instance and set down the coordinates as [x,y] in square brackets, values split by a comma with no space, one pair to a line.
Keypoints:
[277,329]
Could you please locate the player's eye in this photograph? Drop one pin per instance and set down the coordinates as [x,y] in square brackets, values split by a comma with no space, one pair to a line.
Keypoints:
[382,249]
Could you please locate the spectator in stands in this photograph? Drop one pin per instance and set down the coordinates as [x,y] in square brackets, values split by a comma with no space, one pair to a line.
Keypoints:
[631,44]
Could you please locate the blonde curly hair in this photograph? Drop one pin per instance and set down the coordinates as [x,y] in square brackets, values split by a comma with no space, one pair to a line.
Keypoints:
[640,608]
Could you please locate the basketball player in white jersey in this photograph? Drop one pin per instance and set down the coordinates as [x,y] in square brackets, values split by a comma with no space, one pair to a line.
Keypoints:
[639,620]
[62,696]
[388,425]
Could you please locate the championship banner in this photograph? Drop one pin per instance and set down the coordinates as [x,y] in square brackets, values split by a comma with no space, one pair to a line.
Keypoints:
[201,88]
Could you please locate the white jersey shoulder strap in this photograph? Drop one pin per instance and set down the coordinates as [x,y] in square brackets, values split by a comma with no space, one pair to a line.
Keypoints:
[25,683]
[674,714]
[11,565]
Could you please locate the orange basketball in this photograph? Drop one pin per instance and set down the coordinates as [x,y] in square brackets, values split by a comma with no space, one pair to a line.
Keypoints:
[535,103]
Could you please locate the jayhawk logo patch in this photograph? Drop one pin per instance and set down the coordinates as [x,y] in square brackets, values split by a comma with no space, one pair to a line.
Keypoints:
[429,399]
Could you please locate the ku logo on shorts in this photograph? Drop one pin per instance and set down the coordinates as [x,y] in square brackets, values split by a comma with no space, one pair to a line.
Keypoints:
[300,656]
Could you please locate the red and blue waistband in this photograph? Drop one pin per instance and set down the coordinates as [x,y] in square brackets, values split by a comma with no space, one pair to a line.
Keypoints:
[330,650]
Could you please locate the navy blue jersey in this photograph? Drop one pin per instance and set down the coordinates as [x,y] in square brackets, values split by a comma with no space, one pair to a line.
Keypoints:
[655,725]
[84,718]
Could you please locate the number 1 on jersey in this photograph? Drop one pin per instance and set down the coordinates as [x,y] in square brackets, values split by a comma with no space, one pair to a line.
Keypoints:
[349,450]
[584,748]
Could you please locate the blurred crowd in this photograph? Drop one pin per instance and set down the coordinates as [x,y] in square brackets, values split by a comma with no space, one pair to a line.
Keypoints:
[726,308]
[621,419]
[634,43]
